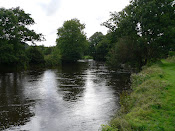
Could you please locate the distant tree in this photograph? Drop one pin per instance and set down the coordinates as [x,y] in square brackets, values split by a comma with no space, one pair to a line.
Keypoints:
[102,50]
[94,40]
[14,32]
[156,26]
[48,50]
[71,40]
[35,55]
[53,58]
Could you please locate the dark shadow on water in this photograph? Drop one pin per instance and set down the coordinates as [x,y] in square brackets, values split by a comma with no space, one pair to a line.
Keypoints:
[118,80]
[14,107]
[71,80]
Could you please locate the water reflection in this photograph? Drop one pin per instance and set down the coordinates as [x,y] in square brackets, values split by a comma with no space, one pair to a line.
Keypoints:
[14,107]
[71,80]
[74,97]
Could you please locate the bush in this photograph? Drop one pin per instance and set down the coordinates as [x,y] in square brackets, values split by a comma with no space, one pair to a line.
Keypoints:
[35,56]
[53,59]
[125,53]
[171,53]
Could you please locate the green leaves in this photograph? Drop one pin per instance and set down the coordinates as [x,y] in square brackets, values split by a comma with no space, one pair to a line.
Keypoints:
[13,25]
[150,23]
[94,41]
[35,56]
[71,40]
[14,33]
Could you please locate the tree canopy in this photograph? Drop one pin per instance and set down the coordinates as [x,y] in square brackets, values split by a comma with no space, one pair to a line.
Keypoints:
[15,33]
[141,33]
[150,24]
[71,40]
[94,40]
[35,55]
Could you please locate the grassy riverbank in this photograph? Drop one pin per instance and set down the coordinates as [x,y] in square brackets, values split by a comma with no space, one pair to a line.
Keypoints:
[151,105]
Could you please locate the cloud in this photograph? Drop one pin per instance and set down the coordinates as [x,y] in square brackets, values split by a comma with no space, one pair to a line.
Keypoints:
[51,8]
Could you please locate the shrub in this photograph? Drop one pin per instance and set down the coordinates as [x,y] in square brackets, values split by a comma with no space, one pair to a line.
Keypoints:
[35,56]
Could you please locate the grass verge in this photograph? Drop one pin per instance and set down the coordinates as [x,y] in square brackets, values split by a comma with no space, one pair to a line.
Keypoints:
[151,104]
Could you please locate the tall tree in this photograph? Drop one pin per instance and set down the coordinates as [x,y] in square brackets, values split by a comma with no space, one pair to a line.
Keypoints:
[150,23]
[15,33]
[156,25]
[71,40]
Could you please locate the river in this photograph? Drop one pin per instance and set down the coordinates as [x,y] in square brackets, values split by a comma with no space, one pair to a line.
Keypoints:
[75,97]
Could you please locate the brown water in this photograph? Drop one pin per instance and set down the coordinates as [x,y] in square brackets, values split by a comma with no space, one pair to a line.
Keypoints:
[74,97]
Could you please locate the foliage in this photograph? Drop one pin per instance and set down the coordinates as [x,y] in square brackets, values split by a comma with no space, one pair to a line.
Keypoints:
[54,58]
[108,128]
[14,34]
[87,57]
[171,59]
[125,52]
[7,53]
[151,104]
[48,50]
[150,24]
[102,50]
[99,46]
[171,53]
[35,56]
[72,40]
[94,41]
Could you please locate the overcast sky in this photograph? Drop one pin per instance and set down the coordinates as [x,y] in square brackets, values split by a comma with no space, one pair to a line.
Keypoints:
[49,15]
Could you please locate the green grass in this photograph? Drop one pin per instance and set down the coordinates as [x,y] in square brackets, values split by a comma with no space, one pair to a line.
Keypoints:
[151,105]
[87,57]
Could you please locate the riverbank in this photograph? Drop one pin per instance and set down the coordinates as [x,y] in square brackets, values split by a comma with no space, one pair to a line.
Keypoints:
[151,104]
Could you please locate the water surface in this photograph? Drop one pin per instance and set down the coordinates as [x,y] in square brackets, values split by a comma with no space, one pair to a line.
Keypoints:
[74,97]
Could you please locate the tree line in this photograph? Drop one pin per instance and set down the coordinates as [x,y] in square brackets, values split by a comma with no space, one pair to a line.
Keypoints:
[142,33]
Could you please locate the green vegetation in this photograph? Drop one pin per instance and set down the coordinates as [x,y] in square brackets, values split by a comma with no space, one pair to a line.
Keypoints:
[100,45]
[35,55]
[53,58]
[14,50]
[124,52]
[87,57]
[72,43]
[71,40]
[141,33]
[151,104]
[14,35]
[94,40]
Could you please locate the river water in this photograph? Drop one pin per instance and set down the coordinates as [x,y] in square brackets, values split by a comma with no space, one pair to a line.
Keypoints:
[74,97]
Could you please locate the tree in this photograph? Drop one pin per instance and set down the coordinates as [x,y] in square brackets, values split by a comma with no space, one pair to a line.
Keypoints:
[125,52]
[71,40]
[14,32]
[150,24]
[54,58]
[94,41]
[102,50]
[34,55]
[156,25]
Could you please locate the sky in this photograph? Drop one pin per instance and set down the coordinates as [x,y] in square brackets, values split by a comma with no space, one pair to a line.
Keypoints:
[49,15]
